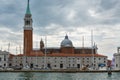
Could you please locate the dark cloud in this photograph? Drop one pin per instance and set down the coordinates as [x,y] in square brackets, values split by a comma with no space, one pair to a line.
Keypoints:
[65,13]
[74,13]
[107,5]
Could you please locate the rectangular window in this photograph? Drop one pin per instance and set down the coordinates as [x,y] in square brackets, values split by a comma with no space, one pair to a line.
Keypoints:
[78,65]
[73,65]
[99,58]
[0,59]
[27,22]
[61,65]
[69,65]
[116,65]
[4,64]
[104,61]
[55,66]
[4,57]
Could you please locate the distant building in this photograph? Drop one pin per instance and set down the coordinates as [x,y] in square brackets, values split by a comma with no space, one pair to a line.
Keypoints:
[117,59]
[4,58]
[65,57]
[60,61]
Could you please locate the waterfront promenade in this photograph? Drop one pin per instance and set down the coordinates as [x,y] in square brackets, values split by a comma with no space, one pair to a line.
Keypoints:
[61,71]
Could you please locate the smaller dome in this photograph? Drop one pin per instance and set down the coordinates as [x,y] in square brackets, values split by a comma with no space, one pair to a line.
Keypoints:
[66,42]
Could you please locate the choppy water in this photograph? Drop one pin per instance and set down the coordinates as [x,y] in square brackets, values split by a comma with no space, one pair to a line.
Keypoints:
[58,76]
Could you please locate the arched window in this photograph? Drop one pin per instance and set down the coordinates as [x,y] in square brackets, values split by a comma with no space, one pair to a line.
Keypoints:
[27,22]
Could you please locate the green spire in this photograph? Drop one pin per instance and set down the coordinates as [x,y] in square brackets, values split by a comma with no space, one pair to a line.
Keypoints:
[28,9]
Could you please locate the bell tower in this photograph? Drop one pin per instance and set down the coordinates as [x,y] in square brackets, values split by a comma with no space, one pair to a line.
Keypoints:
[41,45]
[28,31]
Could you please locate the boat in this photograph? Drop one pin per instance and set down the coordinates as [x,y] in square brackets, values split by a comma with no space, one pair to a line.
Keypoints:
[26,67]
[109,73]
[37,67]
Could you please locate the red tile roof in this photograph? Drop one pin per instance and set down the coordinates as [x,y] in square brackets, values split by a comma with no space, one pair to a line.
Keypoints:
[63,55]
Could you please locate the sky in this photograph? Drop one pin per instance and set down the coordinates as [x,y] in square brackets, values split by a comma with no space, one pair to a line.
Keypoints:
[56,18]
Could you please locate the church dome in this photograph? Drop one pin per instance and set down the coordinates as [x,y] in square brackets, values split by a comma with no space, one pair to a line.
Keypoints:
[66,42]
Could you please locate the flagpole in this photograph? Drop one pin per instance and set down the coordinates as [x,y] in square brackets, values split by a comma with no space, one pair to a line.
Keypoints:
[92,47]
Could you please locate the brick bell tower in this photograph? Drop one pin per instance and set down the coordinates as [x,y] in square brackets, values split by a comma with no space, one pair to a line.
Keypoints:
[28,31]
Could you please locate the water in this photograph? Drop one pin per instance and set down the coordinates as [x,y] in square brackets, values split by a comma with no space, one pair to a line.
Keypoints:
[57,76]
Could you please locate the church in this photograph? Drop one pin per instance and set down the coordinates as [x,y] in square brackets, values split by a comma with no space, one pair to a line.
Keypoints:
[65,57]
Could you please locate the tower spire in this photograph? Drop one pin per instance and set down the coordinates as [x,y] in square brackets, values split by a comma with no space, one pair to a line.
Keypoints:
[28,18]
[28,30]
[28,8]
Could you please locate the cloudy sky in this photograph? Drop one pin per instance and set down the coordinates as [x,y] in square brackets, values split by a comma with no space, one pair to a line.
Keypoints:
[55,18]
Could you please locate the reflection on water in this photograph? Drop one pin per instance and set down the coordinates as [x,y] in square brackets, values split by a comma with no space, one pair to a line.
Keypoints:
[26,76]
[57,76]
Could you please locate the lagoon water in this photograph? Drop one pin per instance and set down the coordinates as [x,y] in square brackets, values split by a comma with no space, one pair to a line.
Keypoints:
[57,76]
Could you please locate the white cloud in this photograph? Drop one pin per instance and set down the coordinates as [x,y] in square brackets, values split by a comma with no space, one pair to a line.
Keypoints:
[71,15]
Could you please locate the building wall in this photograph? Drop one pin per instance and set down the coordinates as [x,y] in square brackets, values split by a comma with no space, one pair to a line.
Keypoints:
[117,61]
[67,50]
[4,56]
[59,62]
[74,50]
[85,51]
[28,43]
